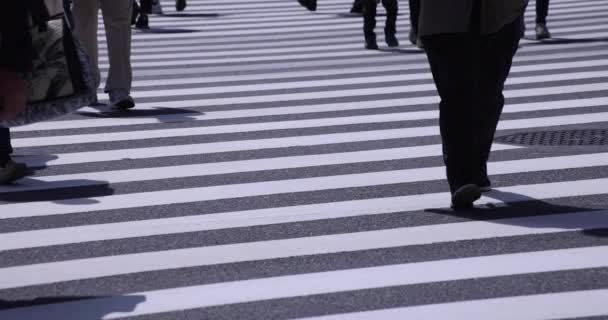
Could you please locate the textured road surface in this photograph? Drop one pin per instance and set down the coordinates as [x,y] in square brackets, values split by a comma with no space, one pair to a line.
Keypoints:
[274,169]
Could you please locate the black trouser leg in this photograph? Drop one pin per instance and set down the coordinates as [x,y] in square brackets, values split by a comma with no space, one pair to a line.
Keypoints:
[146,6]
[392,10]
[496,58]
[542,10]
[369,17]
[452,58]
[414,13]
[5,145]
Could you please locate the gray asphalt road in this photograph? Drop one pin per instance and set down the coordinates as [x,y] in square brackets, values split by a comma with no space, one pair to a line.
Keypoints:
[274,169]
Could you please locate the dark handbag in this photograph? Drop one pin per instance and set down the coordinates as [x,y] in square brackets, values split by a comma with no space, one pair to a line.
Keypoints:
[61,80]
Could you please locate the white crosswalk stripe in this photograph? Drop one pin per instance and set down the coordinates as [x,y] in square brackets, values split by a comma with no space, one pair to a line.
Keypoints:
[275,169]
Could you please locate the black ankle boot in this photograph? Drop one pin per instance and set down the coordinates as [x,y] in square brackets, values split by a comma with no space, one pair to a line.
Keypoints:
[370,41]
[391,40]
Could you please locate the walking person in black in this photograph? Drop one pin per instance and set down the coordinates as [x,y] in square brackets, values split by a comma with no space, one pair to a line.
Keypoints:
[369,23]
[470,45]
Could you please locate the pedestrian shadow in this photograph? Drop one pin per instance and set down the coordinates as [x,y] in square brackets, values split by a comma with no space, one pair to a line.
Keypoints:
[556,41]
[35,161]
[68,308]
[166,30]
[193,15]
[71,192]
[402,50]
[164,115]
[520,210]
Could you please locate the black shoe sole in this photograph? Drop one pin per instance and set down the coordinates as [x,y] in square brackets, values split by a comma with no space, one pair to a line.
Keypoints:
[464,197]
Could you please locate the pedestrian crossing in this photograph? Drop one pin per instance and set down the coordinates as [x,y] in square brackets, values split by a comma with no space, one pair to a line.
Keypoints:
[274,169]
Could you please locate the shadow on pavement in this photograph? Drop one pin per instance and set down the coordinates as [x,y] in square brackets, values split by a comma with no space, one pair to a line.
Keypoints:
[164,115]
[72,192]
[68,308]
[535,214]
[562,41]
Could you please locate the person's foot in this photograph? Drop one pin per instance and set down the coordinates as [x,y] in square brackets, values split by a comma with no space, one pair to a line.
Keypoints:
[180,5]
[120,99]
[413,38]
[311,5]
[464,196]
[157,7]
[370,42]
[142,22]
[11,171]
[357,8]
[542,32]
[391,40]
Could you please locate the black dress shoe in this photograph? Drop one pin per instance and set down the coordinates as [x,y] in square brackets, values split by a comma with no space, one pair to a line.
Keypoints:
[180,5]
[311,5]
[542,32]
[391,40]
[464,196]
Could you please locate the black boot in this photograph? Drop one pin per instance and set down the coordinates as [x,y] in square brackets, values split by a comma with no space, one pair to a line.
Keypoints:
[391,40]
[142,22]
[370,41]
[311,5]
[357,7]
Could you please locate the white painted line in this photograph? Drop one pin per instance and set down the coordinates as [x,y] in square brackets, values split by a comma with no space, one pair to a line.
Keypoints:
[320,108]
[189,195]
[146,174]
[249,218]
[243,145]
[311,284]
[298,124]
[194,59]
[563,305]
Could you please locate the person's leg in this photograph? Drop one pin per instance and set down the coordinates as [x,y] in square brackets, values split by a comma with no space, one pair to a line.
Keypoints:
[414,14]
[496,58]
[116,17]
[5,145]
[390,29]
[542,10]
[452,61]
[369,23]
[85,28]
